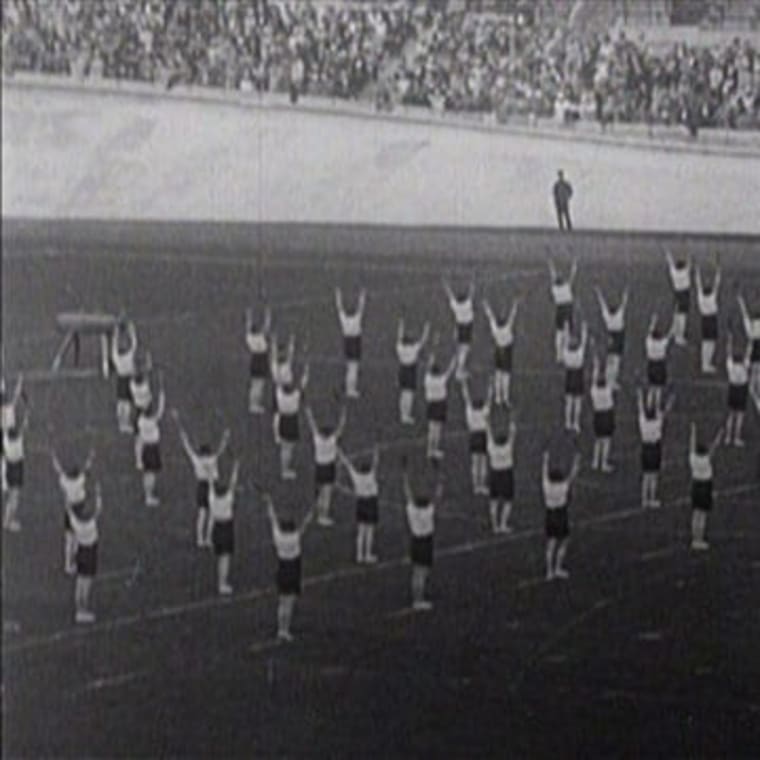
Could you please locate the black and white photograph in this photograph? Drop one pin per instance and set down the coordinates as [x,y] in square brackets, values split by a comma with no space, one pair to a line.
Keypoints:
[380,378]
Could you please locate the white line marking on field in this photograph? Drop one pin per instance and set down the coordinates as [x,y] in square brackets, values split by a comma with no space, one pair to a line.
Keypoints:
[657,553]
[110,682]
[650,636]
[263,646]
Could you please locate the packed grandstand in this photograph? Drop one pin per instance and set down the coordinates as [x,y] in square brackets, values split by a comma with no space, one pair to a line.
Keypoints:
[511,59]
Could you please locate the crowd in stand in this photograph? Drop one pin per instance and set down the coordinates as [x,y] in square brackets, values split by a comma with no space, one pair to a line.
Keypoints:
[402,52]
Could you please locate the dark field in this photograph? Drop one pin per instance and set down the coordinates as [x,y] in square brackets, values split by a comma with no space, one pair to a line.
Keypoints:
[647,650]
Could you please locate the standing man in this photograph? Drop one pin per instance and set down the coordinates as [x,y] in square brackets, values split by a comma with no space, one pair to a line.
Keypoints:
[563,192]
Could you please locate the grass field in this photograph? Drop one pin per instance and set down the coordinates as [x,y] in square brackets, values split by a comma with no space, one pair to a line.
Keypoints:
[648,650]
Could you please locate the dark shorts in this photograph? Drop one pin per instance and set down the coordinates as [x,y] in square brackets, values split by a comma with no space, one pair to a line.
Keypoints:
[574,382]
[682,301]
[367,511]
[702,495]
[123,393]
[288,428]
[651,457]
[223,537]
[14,474]
[87,560]
[259,365]
[352,347]
[501,484]
[737,397]
[502,358]
[151,457]
[436,411]
[202,489]
[557,524]
[710,327]
[464,333]
[604,423]
[421,550]
[324,474]
[616,342]
[289,576]
[478,442]
[657,373]
[563,316]
[407,377]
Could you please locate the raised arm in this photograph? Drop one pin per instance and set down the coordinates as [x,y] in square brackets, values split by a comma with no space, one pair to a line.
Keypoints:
[698,275]
[746,319]
[552,270]
[602,303]
[452,366]
[513,311]
[271,514]
[652,323]
[449,293]
[716,441]
[489,314]
[669,259]
[56,464]
[466,394]
[341,423]
[305,377]
[248,320]
[346,462]
[339,301]
[575,469]
[692,437]
[425,335]
[291,347]
[545,468]
[400,332]
[183,437]
[584,336]
[89,461]
[308,517]
[161,403]
[225,439]
[267,320]
[18,389]
[311,421]
[98,500]
[640,401]
[362,301]
[375,458]
[573,272]
[234,475]
[408,495]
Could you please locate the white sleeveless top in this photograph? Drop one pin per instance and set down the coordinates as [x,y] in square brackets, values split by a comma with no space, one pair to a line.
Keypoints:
[205,467]
[435,387]
[286,545]
[74,490]
[708,303]
[325,448]
[477,418]
[13,448]
[124,363]
[656,348]
[738,374]
[407,352]
[365,484]
[500,456]
[148,429]
[141,394]
[8,416]
[421,520]
[288,402]
[700,466]
[650,429]
[257,342]
[601,398]
[503,335]
[85,531]
[573,357]
[555,494]
[562,293]
[614,320]
[463,312]
[221,506]
[681,278]
[282,372]
[351,324]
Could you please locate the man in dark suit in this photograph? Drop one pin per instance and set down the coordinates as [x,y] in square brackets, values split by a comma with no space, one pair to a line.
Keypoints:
[563,191]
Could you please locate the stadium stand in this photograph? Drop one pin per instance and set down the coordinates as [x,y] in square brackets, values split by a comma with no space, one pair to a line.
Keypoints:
[567,61]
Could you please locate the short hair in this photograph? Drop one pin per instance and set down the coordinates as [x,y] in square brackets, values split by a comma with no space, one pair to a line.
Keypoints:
[555,475]
[288,525]
[204,449]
